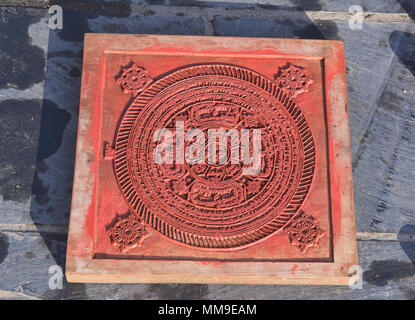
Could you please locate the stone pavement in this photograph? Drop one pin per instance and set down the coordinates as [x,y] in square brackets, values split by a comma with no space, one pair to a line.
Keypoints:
[40,71]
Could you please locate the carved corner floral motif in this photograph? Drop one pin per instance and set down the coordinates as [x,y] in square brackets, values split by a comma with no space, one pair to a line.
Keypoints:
[128,232]
[293,79]
[133,79]
[304,232]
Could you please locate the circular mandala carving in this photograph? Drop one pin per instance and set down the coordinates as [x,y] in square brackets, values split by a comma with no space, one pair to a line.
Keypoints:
[215,206]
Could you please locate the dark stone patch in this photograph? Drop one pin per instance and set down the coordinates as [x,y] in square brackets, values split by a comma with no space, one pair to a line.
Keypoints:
[155,2]
[309,32]
[74,291]
[70,291]
[381,208]
[94,9]
[408,292]
[74,72]
[22,64]
[299,26]
[374,222]
[39,190]
[76,15]
[42,167]
[19,123]
[75,25]
[320,29]
[29,255]
[277,7]
[407,246]
[409,7]
[180,291]
[149,13]
[65,54]
[206,4]
[383,43]
[231,18]
[382,271]
[53,124]
[390,101]
[54,121]
[137,296]
[403,45]
[26,3]
[307,4]
[4,246]
[56,242]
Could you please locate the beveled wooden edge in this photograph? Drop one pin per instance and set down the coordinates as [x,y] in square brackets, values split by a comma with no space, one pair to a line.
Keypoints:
[80,265]
[198,279]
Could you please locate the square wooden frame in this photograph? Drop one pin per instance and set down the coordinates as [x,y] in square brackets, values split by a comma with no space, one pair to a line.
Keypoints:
[82,266]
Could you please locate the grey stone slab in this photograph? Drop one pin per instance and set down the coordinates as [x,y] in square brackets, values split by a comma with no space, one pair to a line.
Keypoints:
[25,3]
[23,52]
[382,115]
[26,258]
[378,6]
[386,6]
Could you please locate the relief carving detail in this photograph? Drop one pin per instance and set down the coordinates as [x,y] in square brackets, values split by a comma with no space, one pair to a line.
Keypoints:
[304,232]
[215,206]
[133,79]
[293,79]
[127,232]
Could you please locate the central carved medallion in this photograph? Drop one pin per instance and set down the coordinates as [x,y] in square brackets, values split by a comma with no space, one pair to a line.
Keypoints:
[214,206]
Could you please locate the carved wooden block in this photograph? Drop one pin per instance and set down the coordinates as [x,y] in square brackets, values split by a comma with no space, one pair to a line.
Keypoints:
[286,216]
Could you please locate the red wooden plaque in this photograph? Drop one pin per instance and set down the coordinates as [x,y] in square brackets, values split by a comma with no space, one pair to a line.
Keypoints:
[214,219]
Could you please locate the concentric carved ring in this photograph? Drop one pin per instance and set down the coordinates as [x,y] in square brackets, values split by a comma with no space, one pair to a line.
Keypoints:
[215,206]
